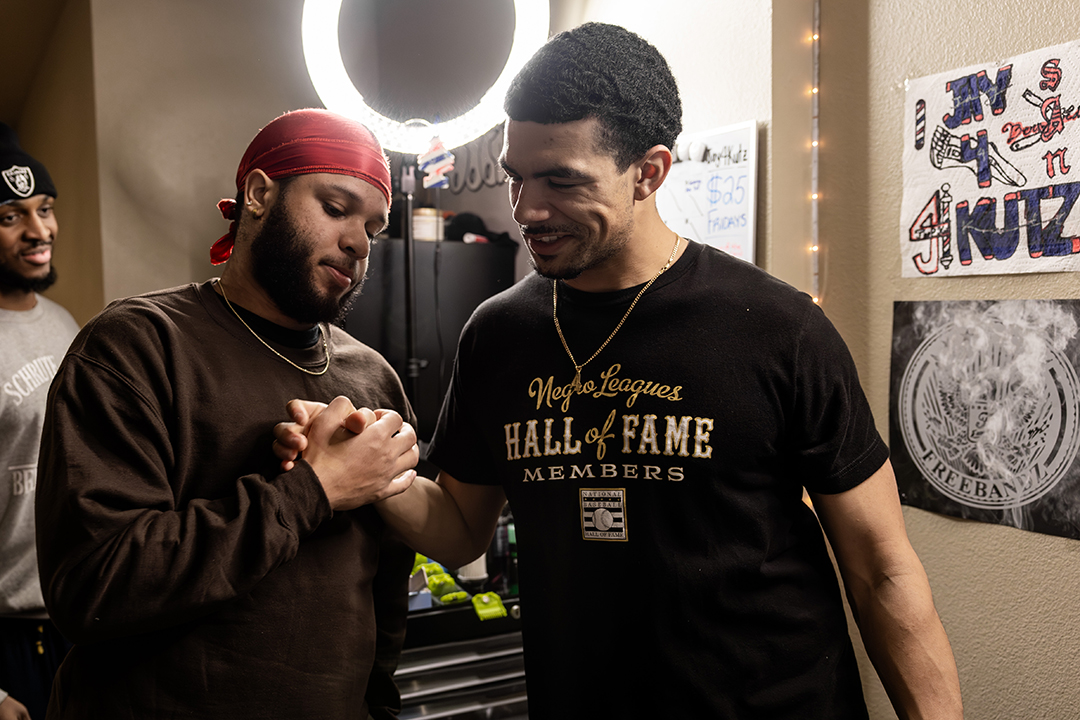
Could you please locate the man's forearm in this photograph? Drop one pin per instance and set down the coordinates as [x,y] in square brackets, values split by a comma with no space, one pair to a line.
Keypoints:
[444,520]
[906,642]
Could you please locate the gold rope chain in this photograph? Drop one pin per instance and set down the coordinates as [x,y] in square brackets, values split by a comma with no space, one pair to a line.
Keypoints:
[555,314]
[322,334]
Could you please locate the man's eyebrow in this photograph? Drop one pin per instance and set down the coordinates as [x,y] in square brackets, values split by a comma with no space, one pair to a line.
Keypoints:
[349,192]
[559,171]
[355,197]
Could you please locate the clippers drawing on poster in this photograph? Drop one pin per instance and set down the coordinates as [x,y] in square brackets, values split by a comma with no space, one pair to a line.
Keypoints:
[989,157]
[709,195]
[984,417]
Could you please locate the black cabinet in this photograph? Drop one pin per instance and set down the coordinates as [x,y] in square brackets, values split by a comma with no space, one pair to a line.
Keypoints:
[458,667]
[454,666]
[451,279]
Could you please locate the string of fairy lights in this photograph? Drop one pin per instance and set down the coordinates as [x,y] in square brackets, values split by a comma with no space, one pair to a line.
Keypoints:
[815,246]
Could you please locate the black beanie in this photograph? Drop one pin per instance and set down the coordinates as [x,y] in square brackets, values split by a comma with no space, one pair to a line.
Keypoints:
[23,176]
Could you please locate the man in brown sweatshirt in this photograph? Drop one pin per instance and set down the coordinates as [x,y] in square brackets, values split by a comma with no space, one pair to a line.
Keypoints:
[195,578]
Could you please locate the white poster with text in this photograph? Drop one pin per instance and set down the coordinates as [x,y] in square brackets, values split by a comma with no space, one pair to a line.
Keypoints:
[989,151]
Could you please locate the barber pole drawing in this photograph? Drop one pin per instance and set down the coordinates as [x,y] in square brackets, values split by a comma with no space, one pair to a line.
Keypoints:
[920,124]
[990,187]
[985,411]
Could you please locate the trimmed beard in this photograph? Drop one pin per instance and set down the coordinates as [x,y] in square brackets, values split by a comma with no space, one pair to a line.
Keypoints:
[592,256]
[11,281]
[281,260]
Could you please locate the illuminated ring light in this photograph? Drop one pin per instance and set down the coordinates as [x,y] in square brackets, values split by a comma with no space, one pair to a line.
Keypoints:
[322,53]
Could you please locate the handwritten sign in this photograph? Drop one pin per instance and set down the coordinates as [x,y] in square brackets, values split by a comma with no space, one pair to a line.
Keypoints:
[988,155]
[709,196]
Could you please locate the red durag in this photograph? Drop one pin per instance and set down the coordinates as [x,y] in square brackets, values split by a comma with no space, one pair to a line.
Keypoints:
[306,141]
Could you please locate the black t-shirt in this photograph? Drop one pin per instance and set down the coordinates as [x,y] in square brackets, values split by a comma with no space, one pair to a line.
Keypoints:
[668,567]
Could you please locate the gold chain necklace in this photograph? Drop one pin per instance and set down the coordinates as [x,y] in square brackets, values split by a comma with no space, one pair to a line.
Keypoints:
[322,334]
[576,385]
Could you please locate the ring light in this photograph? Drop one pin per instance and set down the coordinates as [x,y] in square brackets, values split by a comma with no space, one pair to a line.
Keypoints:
[322,53]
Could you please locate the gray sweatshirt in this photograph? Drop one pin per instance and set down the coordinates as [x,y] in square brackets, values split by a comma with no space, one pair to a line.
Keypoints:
[32,344]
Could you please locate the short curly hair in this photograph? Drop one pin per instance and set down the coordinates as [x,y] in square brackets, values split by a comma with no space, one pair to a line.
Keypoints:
[607,72]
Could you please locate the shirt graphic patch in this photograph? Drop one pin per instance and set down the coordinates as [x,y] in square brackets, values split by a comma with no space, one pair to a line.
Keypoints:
[603,514]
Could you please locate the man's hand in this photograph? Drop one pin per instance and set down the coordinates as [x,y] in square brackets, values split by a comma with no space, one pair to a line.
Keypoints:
[290,438]
[360,456]
[12,709]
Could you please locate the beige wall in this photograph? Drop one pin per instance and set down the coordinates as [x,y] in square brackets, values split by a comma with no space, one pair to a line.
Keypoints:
[57,126]
[1008,598]
[173,91]
[182,87]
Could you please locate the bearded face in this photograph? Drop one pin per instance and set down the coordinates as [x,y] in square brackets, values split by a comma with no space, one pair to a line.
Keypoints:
[11,281]
[284,263]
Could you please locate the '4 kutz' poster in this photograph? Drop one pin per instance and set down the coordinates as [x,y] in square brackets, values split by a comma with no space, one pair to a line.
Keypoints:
[992,168]
[984,418]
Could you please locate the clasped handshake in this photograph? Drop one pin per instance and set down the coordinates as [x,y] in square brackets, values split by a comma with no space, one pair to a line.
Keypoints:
[360,456]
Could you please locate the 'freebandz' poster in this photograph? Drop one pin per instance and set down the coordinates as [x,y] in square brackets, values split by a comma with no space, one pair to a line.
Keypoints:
[985,411]
[989,157]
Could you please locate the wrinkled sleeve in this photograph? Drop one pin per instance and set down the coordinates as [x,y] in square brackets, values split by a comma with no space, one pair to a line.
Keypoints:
[117,554]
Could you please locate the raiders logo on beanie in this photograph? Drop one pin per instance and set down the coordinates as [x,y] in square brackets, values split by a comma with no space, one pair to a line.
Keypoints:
[22,176]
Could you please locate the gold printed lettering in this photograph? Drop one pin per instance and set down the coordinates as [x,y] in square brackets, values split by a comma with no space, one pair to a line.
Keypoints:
[701,437]
[608,471]
[546,390]
[581,472]
[611,385]
[533,475]
[675,474]
[549,448]
[555,472]
[607,377]
[628,433]
[512,449]
[600,437]
[568,391]
[648,437]
[570,446]
[678,432]
[532,439]
[652,472]
[541,391]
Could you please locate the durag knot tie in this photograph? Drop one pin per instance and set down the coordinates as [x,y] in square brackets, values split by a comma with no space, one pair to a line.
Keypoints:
[222,249]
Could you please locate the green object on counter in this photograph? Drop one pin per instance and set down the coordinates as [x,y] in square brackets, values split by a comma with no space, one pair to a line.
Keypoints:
[441,583]
[418,561]
[455,597]
[488,605]
[445,589]
[431,569]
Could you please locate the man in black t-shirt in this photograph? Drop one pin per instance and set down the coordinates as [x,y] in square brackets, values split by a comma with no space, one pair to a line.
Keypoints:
[652,409]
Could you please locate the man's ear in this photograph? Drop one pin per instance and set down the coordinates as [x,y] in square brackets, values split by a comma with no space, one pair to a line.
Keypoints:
[653,169]
[259,193]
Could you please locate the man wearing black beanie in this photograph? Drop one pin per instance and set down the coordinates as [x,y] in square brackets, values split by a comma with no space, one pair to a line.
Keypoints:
[34,335]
